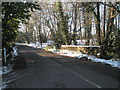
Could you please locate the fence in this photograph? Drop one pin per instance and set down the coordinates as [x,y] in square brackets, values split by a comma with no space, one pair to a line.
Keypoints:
[0,57]
[8,58]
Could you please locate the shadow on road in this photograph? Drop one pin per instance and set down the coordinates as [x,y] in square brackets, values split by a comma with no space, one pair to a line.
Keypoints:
[20,63]
[39,68]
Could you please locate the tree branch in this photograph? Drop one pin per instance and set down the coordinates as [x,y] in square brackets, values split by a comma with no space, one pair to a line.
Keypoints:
[111,5]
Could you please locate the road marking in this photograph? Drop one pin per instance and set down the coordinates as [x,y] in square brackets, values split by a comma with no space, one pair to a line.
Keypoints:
[79,75]
[84,78]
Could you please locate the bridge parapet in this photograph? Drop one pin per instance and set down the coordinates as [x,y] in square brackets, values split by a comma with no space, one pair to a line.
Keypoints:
[92,50]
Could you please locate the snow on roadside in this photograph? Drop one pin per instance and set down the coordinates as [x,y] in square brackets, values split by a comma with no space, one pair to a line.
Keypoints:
[113,63]
[37,45]
[15,51]
[5,81]
[32,45]
[21,43]
[5,70]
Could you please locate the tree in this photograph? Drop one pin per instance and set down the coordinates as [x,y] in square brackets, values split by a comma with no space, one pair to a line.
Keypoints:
[75,23]
[104,20]
[110,46]
[98,29]
[13,13]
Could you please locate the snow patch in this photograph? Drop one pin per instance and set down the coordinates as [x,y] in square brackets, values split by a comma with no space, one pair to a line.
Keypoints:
[7,80]
[34,45]
[15,51]
[113,63]
[5,70]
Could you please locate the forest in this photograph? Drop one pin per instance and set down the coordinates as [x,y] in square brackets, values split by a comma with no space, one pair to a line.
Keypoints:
[59,44]
[65,23]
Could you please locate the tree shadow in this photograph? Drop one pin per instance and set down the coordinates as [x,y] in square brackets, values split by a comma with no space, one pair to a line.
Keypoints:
[20,63]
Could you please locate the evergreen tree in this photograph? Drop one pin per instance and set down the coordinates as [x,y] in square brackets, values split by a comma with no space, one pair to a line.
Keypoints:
[14,13]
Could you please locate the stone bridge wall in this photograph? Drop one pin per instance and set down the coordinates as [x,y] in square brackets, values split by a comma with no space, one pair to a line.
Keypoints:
[92,50]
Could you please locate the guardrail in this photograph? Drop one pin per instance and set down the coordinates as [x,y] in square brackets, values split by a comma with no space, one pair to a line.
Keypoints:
[0,54]
[6,56]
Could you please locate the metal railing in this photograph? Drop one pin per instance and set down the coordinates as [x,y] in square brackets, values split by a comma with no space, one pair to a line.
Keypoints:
[8,58]
[0,54]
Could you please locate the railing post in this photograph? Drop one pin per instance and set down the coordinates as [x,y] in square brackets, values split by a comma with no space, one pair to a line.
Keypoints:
[5,55]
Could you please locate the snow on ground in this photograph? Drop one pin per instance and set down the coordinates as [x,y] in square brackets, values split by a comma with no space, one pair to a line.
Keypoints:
[35,45]
[15,51]
[5,70]
[113,63]
[21,43]
[82,42]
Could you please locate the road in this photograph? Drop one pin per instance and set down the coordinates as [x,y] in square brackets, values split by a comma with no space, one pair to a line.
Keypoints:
[37,68]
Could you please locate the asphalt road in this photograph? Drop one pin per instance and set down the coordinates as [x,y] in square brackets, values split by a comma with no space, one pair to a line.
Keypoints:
[36,68]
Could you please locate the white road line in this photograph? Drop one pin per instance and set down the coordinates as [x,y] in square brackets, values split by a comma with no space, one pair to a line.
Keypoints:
[84,78]
[79,75]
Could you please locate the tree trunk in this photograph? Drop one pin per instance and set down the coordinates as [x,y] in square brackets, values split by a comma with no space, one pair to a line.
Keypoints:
[104,21]
[98,24]
[40,37]
[75,25]
[109,30]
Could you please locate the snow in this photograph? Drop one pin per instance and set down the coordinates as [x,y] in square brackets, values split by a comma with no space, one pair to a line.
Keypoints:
[5,70]
[50,42]
[34,45]
[78,46]
[5,81]
[37,44]
[21,43]
[15,51]
[113,63]
[82,42]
